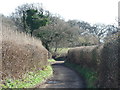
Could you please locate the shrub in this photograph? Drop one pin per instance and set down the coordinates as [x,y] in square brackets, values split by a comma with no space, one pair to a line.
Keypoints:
[108,70]
[20,52]
[85,56]
[103,59]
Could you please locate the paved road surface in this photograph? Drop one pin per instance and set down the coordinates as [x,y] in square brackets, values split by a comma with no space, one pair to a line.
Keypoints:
[63,78]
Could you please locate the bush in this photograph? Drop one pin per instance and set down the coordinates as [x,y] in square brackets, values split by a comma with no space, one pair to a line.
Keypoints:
[103,59]
[20,52]
[108,70]
[85,56]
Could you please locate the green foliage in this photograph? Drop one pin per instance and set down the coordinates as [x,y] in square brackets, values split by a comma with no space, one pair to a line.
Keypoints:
[51,60]
[30,79]
[89,75]
[61,50]
[35,20]
[30,17]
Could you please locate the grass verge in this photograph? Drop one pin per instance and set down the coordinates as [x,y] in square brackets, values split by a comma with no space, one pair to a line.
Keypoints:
[61,50]
[51,60]
[89,75]
[30,80]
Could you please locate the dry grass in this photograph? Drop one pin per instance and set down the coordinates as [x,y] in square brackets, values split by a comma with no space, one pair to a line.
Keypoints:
[20,52]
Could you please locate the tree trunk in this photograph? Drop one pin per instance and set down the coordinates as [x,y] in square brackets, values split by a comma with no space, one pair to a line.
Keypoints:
[55,47]
[47,47]
[24,22]
[31,33]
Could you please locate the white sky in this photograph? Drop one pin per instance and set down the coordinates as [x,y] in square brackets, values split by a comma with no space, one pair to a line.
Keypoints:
[92,11]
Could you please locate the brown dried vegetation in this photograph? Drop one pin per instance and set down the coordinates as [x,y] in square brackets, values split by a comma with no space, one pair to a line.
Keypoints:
[103,59]
[85,56]
[20,52]
[109,66]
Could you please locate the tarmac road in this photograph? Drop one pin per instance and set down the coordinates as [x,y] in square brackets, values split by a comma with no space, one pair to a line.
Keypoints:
[63,77]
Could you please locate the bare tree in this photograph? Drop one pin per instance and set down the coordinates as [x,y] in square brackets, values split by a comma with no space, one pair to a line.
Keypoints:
[57,34]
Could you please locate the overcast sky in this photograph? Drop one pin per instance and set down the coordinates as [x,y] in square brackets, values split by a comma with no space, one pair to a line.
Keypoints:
[92,11]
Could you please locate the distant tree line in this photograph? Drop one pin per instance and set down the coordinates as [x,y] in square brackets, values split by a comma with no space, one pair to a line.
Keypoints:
[55,32]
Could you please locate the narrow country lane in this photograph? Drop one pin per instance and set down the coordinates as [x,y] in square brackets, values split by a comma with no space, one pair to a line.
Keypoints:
[63,78]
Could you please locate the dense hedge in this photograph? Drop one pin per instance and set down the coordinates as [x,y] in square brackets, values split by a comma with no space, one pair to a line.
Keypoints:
[20,53]
[86,56]
[103,59]
[108,68]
